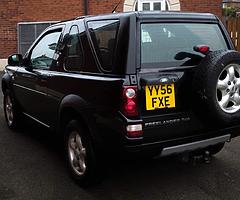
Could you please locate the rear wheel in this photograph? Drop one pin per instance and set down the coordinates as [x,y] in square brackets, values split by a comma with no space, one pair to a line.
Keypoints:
[80,155]
[11,112]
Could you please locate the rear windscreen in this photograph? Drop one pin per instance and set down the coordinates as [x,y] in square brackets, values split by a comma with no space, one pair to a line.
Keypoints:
[171,44]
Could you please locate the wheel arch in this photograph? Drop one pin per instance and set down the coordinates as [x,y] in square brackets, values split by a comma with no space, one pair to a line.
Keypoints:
[6,79]
[75,107]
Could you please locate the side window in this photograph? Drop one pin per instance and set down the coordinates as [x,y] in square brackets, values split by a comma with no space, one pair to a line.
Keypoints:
[42,54]
[74,59]
[104,38]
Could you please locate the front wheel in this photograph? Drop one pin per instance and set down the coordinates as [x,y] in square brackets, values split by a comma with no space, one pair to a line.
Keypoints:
[10,111]
[80,155]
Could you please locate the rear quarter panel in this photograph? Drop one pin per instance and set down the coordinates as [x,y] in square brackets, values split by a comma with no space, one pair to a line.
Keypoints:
[99,95]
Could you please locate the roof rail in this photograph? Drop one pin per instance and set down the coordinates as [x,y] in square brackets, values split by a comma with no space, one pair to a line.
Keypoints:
[76,18]
[82,17]
[67,20]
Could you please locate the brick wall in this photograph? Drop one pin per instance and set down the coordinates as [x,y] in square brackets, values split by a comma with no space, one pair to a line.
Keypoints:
[104,6]
[14,11]
[212,6]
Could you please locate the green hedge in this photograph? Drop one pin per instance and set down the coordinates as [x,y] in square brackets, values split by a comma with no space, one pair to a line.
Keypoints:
[230,11]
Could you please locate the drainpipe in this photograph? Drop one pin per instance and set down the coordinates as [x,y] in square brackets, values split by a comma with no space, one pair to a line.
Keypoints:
[85,7]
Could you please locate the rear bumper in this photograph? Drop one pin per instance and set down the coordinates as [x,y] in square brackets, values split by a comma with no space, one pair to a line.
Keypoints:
[195,145]
[181,145]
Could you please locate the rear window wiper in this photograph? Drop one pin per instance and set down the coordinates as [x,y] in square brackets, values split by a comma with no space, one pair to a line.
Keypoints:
[183,55]
[194,59]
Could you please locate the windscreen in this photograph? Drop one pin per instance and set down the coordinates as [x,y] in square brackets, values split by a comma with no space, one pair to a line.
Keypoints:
[171,44]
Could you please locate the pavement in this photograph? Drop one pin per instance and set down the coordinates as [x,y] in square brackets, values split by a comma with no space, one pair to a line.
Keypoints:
[32,167]
[3,63]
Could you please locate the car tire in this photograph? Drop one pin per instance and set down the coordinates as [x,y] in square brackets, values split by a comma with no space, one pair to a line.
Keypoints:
[11,111]
[207,86]
[80,155]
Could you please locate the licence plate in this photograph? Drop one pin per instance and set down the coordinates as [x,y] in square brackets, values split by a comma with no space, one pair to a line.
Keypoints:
[160,96]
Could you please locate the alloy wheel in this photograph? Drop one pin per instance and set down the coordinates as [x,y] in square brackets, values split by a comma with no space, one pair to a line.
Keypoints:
[228,89]
[9,110]
[77,153]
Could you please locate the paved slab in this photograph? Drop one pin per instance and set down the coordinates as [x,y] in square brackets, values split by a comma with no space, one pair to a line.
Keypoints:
[32,167]
[3,63]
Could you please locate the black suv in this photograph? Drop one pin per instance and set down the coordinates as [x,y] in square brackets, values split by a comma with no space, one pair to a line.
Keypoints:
[148,83]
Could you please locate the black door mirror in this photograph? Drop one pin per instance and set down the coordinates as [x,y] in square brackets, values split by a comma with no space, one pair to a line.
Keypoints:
[15,60]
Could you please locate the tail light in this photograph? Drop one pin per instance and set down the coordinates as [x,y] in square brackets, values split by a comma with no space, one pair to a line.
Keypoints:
[129,98]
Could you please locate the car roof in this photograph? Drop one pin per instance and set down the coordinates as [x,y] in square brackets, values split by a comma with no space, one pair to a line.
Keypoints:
[174,15]
[157,15]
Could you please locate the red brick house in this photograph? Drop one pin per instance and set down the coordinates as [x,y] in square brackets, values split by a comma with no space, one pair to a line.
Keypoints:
[16,15]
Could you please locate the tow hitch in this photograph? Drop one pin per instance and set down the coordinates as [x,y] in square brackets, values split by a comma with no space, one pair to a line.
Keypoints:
[196,158]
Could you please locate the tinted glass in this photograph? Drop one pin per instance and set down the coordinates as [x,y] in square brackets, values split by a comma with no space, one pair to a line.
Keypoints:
[104,36]
[74,60]
[161,43]
[42,54]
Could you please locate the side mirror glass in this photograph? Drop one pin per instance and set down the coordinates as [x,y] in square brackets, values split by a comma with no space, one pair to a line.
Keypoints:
[15,60]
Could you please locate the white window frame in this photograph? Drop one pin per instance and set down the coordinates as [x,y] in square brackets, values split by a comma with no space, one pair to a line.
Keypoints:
[151,2]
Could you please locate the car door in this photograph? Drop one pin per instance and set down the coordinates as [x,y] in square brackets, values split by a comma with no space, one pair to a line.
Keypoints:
[31,80]
[69,60]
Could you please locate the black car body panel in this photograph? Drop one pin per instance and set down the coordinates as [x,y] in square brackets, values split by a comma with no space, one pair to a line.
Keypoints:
[47,95]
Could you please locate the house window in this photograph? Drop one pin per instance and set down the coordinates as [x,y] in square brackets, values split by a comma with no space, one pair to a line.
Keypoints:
[28,33]
[152,5]
[157,6]
[146,6]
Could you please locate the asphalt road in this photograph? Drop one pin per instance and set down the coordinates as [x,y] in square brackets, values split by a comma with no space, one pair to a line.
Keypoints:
[32,167]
